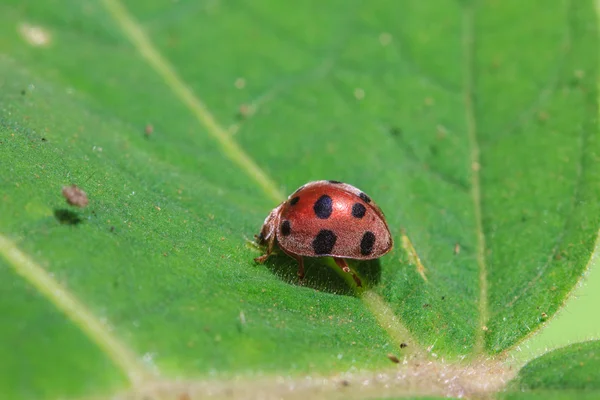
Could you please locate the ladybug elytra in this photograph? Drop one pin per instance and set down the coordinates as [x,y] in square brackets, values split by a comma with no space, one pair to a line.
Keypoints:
[327,219]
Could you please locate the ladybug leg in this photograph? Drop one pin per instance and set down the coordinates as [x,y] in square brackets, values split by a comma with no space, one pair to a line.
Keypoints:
[300,261]
[270,242]
[344,266]
[264,257]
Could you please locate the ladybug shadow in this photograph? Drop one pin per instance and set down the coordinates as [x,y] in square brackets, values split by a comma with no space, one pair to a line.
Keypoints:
[67,217]
[324,275]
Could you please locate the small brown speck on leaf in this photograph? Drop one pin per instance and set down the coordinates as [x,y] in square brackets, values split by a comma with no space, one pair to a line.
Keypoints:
[403,345]
[393,358]
[149,129]
[245,111]
[75,196]
[184,396]
[456,249]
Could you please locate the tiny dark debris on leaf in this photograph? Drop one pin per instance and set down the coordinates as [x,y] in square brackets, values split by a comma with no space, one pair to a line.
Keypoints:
[44,139]
[67,217]
[403,345]
[393,358]
[75,196]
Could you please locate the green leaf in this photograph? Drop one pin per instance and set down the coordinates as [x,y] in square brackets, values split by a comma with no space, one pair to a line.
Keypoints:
[56,359]
[551,395]
[161,252]
[569,372]
[472,124]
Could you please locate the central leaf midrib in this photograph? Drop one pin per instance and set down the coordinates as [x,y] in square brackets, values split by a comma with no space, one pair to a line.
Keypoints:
[468,48]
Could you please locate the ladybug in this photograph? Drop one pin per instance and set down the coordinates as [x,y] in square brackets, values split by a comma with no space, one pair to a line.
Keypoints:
[327,219]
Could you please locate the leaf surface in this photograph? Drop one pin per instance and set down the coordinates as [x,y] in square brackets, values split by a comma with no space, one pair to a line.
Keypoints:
[472,125]
[569,372]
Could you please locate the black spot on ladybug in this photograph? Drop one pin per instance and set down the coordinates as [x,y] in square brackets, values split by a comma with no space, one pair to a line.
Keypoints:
[335,182]
[294,200]
[324,242]
[286,228]
[358,210]
[366,198]
[323,207]
[367,243]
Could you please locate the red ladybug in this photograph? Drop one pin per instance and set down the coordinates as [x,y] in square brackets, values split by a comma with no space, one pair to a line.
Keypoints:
[327,218]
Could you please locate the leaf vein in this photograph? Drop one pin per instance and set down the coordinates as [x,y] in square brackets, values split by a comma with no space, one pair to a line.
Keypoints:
[468,40]
[66,302]
[231,149]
